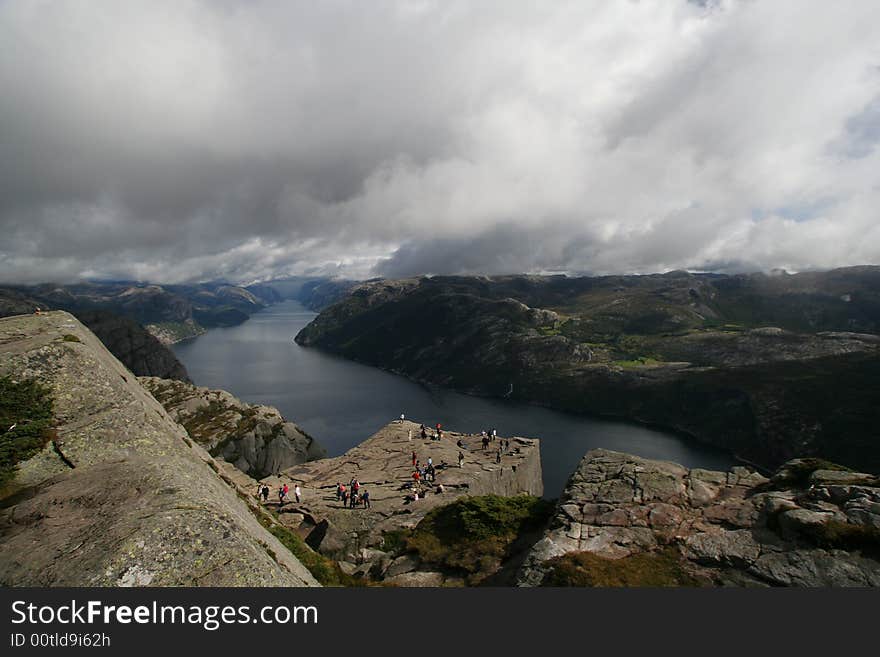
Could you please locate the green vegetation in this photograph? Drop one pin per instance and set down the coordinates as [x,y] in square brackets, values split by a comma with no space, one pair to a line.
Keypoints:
[71,338]
[28,406]
[549,331]
[644,361]
[175,331]
[325,570]
[472,535]
[662,568]
[796,474]
[835,534]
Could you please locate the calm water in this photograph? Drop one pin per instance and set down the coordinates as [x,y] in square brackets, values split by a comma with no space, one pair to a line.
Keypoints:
[341,403]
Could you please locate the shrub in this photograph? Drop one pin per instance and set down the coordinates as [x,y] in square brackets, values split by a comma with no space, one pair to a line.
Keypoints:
[473,535]
[28,406]
[662,568]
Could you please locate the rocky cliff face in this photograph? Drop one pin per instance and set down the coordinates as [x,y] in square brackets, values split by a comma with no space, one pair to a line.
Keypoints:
[254,438]
[133,345]
[806,526]
[121,496]
[694,353]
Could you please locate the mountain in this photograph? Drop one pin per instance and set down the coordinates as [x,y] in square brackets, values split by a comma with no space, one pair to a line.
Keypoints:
[767,366]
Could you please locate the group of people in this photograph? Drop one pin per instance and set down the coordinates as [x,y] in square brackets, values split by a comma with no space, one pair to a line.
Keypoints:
[283,493]
[353,495]
[423,432]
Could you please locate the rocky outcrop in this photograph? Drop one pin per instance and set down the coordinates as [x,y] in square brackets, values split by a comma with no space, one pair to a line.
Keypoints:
[383,466]
[121,496]
[133,345]
[254,438]
[806,526]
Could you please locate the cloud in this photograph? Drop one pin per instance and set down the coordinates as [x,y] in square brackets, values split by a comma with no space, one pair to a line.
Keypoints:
[194,139]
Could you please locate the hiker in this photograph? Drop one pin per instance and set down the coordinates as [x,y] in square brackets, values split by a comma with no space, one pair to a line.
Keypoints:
[281,496]
[409,435]
[498,457]
[338,491]
[402,418]
[355,486]
[416,476]
[265,492]
[494,434]
[286,492]
[460,460]
[297,493]
[354,499]
[430,461]
[365,498]
[485,442]
[344,494]
[414,460]
[424,433]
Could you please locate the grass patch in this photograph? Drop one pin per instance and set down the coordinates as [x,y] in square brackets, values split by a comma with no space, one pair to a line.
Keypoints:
[473,535]
[642,361]
[326,571]
[835,534]
[796,474]
[28,406]
[71,338]
[662,568]
[548,331]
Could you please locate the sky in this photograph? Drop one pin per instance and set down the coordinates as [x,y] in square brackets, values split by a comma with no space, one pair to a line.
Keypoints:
[187,140]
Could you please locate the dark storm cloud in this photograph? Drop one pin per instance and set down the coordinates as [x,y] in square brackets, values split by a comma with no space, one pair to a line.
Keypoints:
[195,139]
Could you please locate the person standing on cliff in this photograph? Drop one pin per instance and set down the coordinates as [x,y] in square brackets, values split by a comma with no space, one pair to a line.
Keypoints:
[414,458]
[365,498]
[402,418]
[297,493]
[460,460]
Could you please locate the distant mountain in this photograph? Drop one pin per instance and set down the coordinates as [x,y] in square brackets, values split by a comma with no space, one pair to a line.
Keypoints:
[768,366]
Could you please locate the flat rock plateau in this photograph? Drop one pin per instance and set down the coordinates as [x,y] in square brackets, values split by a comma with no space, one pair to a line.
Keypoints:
[383,466]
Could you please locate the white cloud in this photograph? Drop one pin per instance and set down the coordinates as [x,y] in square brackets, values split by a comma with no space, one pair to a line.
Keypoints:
[241,139]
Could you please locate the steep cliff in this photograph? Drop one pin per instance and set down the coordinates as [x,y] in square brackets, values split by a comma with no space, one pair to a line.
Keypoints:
[254,438]
[624,520]
[119,495]
[133,345]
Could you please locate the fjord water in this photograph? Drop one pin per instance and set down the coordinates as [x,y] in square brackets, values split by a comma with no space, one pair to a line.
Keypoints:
[341,403]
